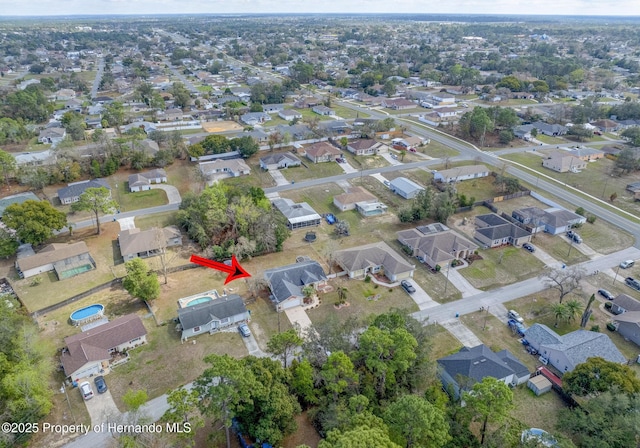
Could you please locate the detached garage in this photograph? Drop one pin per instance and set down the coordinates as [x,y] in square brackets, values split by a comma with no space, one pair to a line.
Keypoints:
[539,385]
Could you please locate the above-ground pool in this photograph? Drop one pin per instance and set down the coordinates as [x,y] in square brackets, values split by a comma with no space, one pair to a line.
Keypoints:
[87,314]
[199,300]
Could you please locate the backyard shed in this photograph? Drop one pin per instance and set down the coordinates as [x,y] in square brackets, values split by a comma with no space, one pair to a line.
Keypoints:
[539,384]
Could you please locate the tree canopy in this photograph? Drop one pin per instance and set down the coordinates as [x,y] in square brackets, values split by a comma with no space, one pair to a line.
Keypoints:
[598,375]
[34,221]
[140,282]
[96,200]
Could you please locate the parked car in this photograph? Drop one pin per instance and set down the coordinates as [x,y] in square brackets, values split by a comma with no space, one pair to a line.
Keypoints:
[394,157]
[529,247]
[635,284]
[606,294]
[331,218]
[387,184]
[101,385]
[516,327]
[626,264]
[574,236]
[86,390]
[244,330]
[515,316]
[412,150]
[407,286]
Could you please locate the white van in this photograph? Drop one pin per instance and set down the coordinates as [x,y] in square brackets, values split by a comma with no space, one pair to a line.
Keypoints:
[626,264]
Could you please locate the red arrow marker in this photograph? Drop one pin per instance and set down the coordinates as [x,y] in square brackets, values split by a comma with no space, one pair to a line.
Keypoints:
[235,271]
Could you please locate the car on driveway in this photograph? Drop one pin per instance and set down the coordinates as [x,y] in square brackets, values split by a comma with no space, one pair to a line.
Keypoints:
[101,385]
[86,390]
[407,286]
[632,282]
[529,247]
[627,264]
[387,184]
[515,316]
[394,157]
[244,330]
[574,236]
[606,294]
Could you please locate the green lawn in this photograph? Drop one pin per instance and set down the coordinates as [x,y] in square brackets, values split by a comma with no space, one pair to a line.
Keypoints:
[550,140]
[138,200]
[156,220]
[312,171]
[501,266]
[595,180]
[479,189]
[558,248]
[357,293]
[444,343]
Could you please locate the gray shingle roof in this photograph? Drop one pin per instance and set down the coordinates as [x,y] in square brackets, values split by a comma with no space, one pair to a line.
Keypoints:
[479,362]
[217,309]
[296,213]
[541,334]
[375,254]
[76,189]
[288,281]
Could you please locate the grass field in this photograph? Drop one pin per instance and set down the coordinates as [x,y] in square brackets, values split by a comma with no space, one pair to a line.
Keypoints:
[357,293]
[138,200]
[595,180]
[51,290]
[501,266]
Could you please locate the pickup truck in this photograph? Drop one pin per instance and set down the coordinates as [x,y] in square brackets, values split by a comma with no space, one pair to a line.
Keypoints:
[632,282]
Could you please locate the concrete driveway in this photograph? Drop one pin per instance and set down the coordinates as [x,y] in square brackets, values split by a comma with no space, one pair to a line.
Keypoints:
[461,333]
[252,346]
[387,156]
[422,299]
[544,256]
[297,315]
[346,167]
[127,223]
[173,195]
[101,407]
[278,177]
[461,283]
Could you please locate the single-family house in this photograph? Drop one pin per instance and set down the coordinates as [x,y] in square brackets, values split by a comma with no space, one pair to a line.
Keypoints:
[211,316]
[587,154]
[74,105]
[323,110]
[623,304]
[436,245]
[364,147]
[404,187]
[461,173]
[254,118]
[443,99]
[523,132]
[217,169]
[563,162]
[287,282]
[64,94]
[552,130]
[307,102]
[52,136]
[494,231]
[174,114]
[360,199]
[552,220]
[568,351]
[628,325]
[143,181]
[71,193]
[272,108]
[290,114]
[90,352]
[258,135]
[40,158]
[398,103]
[66,260]
[278,161]
[136,243]
[446,112]
[374,258]
[298,215]
[322,152]
[606,125]
[460,371]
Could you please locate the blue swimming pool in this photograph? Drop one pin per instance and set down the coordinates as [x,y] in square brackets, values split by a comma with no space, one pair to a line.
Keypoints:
[87,313]
[199,301]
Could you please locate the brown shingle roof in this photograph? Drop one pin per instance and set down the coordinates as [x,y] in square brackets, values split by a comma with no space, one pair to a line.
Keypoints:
[51,254]
[321,149]
[95,343]
[354,195]
[134,241]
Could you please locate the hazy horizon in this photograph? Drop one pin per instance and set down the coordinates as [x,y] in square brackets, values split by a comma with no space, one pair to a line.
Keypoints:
[40,8]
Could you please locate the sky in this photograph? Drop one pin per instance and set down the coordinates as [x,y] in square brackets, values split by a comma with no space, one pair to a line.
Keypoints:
[151,7]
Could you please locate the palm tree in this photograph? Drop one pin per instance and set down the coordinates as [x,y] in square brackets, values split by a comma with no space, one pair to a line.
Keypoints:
[308,291]
[573,309]
[560,311]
